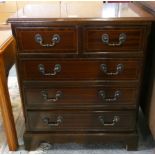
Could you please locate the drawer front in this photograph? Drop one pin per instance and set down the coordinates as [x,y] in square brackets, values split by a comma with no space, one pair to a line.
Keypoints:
[107,69]
[81,120]
[52,40]
[74,97]
[113,39]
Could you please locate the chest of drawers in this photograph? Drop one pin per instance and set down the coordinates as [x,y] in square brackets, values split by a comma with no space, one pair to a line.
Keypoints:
[80,78]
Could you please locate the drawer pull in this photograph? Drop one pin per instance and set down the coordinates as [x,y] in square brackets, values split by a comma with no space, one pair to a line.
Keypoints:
[115,98]
[113,123]
[46,120]
[57,69]
[45,96]
[119,69]
[55,39]
[122,39]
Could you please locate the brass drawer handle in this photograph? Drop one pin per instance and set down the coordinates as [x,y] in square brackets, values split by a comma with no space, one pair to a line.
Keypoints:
[122,39]
[119,69]
[39,40]
[58,95]
[115,98]
[115,120]
[57,69]
[59,119]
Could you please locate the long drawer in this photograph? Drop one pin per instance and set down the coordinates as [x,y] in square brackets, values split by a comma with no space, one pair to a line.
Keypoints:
[81,121]
[105,69]
[59,97]
[113,39]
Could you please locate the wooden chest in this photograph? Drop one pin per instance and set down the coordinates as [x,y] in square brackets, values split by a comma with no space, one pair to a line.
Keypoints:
[80,78]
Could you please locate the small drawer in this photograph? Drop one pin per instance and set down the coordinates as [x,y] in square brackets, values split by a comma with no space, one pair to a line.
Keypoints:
[81,121]
[59,97]
[50,40]
[106,69]
[113,39]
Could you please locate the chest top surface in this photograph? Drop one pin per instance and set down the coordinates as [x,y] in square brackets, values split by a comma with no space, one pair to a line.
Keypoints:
[80,11]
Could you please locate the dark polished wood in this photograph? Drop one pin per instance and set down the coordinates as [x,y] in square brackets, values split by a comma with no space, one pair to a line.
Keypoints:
[67,43]
[74,120]
[77,69]
[94,43]
[85,85]
[79,96]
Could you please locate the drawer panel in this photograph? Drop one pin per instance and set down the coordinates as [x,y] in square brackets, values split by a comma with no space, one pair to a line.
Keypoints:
[59,97]
[52,40]
[113,39]
[81,120]
[106,69]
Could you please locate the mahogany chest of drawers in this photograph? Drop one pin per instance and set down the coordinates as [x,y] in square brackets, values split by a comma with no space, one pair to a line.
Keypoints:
[80,78]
